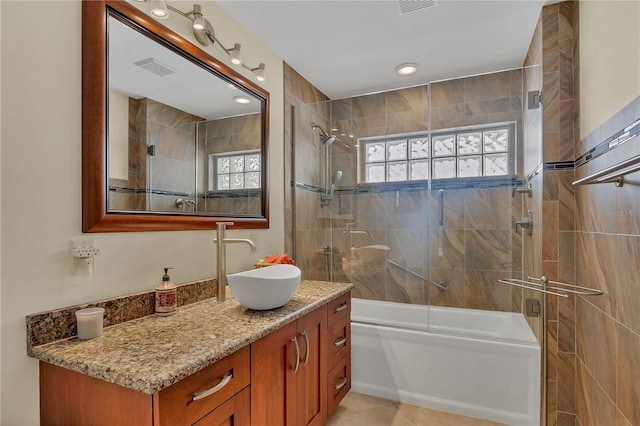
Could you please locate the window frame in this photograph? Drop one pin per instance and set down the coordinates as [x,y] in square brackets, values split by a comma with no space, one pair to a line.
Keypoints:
[408,137]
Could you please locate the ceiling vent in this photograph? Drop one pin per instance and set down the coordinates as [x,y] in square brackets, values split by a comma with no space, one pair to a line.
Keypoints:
[156,67]
[407,6]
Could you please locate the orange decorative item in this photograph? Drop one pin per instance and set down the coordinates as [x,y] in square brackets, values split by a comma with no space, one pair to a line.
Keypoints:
[274,259]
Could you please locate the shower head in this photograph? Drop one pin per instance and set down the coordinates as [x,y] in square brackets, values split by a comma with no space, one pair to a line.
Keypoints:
[337,175]
[325,138]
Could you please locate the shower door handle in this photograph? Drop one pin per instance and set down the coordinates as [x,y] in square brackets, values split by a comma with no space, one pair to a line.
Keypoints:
[441,196]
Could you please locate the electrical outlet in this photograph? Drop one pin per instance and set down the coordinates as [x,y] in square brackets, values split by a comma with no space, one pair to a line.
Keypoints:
[84,248]
[83,243]
[85,252]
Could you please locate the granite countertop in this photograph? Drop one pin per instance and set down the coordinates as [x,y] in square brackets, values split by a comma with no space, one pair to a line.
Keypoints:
[152,353]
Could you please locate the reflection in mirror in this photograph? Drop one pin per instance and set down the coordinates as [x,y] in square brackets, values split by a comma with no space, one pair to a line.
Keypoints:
[181,140]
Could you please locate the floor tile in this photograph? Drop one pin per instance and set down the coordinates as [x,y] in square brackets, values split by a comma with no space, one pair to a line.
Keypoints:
[363,410]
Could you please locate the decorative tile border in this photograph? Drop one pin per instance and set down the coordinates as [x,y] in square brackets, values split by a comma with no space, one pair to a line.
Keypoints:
[57,324]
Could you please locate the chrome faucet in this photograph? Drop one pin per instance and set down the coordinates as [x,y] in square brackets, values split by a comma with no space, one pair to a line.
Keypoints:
[220,241]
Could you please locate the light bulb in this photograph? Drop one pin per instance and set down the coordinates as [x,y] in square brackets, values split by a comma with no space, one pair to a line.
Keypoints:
[261,75]
[159,9]
[407,69]
[236,56]
[198,22]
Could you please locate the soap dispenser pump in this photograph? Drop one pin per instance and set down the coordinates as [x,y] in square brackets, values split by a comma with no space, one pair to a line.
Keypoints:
[166,298]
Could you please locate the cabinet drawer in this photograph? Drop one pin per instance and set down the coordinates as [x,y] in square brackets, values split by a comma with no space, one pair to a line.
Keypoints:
[339,383]
[338,309]
[339,341]
[193,397]
[236,412]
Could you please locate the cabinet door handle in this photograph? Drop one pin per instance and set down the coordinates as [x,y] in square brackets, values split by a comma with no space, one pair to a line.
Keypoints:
[341,307]
[205,393]
[340,342]
[295,342]
[341,384]
[306,354]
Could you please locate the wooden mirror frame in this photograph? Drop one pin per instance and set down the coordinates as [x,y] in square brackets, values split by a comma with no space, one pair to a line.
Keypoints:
[95,217]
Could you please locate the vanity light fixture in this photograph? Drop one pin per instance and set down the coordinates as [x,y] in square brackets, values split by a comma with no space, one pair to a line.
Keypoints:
[234,53]
[261,74]
[407,68]
[203,32]
[198,20]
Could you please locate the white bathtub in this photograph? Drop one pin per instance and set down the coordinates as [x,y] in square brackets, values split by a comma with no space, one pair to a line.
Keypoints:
[476,363]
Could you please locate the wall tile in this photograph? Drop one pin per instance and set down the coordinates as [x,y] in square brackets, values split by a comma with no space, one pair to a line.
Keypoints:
[550,101]
[596,345]
[628,364]
[550,224]
[628,291]
[566,382]
[487,250]
[596,264]
[552,350]
[593,406]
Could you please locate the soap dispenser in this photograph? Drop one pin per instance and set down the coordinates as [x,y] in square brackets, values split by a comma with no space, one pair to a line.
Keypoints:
[166,298]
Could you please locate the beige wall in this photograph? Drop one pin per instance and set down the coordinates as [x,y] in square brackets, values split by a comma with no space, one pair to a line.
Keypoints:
[609,60]
[118,135]
[41,197]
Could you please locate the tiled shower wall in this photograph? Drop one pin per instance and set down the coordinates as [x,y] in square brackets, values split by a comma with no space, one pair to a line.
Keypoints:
[552,251]
[307,230]
[608,258]
[171,169]
[242,133]
[476,245]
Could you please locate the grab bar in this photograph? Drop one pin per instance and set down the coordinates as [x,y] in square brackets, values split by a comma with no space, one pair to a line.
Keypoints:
[614,173]
[541,286]
[441,195]
[441,285]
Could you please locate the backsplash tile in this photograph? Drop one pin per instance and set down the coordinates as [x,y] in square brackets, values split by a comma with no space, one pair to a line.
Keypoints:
[57,324]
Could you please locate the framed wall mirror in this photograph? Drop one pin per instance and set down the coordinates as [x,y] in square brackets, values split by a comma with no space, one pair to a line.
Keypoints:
[172,139]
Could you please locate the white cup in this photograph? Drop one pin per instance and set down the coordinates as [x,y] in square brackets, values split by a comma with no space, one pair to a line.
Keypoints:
[90,323]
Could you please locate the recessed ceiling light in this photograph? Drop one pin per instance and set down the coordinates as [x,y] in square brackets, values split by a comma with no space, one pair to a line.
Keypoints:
[242,99]
[407,68]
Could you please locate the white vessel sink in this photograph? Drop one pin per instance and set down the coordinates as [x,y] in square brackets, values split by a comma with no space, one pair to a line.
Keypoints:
[265,288]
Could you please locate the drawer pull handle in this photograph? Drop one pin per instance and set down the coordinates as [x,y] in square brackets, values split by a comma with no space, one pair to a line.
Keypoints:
[340,342]
[341,307]
[306,341]
[225,380]
[341,384]
[295,342]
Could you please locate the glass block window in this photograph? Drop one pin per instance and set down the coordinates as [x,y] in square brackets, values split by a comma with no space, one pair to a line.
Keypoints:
[234,170]
[448,154]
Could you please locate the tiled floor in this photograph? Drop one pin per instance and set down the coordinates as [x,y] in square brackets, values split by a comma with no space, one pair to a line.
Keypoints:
[363,410]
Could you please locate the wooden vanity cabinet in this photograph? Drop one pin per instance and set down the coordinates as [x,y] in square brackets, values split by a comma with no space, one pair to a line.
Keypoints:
[71,398]
[288,374]
[294,376]
[282,395]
